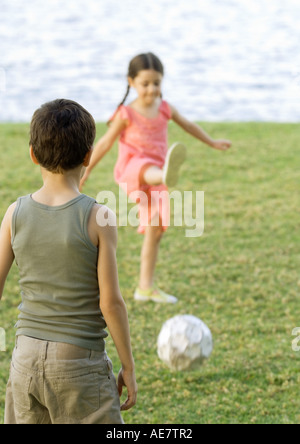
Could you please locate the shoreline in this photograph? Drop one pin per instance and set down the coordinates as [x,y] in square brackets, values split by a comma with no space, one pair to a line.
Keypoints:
[209,122]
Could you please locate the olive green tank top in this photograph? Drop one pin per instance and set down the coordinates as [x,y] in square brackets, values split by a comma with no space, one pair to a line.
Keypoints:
[58,273]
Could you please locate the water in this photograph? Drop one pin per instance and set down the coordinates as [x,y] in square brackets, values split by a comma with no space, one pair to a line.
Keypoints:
[225,60]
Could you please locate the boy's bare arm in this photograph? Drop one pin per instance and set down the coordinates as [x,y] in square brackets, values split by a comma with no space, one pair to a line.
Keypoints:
[114,310]
[6,252]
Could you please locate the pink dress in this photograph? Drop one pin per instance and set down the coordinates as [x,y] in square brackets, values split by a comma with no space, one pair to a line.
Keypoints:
[144,142]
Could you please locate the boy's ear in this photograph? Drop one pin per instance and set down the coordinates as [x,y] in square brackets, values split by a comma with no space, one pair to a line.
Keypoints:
[87,158]
[32,156]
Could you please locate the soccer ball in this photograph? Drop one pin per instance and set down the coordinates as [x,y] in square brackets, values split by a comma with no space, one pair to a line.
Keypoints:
[184,343]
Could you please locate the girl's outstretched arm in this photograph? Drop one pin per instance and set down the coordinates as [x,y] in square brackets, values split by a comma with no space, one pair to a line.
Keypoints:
[104,145]
[196,131]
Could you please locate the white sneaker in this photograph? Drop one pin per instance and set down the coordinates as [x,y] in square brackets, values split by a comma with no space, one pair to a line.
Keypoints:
[154,294]
[174,160]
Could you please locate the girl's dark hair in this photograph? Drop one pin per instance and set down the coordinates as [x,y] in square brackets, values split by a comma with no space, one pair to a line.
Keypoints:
[141,63]
[62,132]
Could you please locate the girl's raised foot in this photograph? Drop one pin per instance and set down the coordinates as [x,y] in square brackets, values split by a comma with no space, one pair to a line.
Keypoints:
[174,160]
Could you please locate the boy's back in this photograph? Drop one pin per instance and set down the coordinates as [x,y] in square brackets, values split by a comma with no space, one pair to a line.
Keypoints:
[58,273]
[60,371]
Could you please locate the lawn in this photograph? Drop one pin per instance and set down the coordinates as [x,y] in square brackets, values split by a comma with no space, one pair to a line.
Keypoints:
[241,277]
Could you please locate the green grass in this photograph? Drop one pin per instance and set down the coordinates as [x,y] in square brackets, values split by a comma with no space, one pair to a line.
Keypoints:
[241,277]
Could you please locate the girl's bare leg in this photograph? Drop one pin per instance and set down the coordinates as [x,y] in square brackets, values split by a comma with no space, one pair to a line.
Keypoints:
[147,290]
[149,256]
[153,175]
[169,175]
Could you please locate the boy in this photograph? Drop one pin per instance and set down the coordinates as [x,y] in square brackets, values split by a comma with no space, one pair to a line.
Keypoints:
[60,373]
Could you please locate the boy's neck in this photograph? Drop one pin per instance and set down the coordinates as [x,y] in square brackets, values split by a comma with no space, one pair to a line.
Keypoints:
[58,189]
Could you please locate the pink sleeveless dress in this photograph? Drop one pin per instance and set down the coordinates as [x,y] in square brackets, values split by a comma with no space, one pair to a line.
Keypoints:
[144,142]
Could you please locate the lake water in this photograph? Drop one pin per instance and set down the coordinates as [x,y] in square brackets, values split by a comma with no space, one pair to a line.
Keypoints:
[225,60]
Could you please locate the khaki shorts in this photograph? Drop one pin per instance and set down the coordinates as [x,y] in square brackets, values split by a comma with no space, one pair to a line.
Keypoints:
[58,383]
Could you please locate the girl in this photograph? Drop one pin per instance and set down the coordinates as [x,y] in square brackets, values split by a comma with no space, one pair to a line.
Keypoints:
[144,161]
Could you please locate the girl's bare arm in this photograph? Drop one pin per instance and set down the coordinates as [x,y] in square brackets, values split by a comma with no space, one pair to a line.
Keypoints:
[197,132]
[104,145]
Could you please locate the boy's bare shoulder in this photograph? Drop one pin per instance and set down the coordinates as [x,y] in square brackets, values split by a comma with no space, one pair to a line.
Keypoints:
[12,208]
[10,211]
[6,224]
[103,224]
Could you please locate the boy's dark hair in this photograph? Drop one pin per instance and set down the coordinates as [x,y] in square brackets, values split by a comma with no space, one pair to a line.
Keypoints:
[140,63]
[62,132]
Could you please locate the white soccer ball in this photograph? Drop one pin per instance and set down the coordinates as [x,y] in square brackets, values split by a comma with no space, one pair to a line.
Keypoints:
[184,342]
